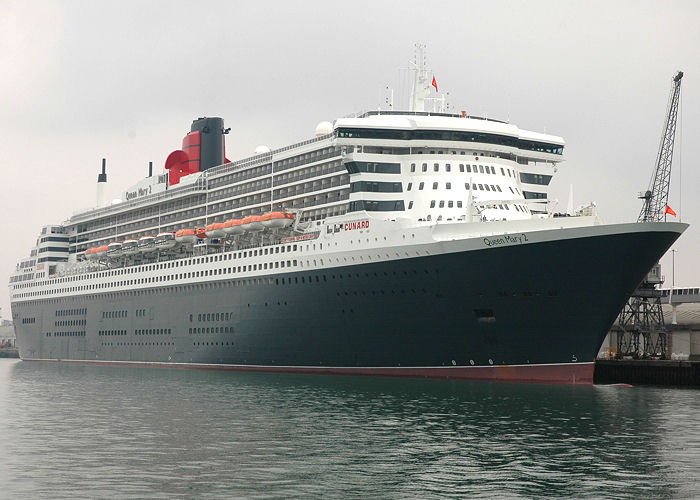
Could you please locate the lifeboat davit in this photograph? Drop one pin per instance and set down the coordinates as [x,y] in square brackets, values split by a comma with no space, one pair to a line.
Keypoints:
[252,224]
[215,230]
[186,236]
[165,241]
[130,247]
[114,250]
[147,244]
[91,254]
[277,219]
[233,227]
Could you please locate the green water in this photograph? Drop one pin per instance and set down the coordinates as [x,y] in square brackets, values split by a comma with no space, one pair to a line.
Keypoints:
[104,432]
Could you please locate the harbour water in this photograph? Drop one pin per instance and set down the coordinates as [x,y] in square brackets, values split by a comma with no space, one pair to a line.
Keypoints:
[88,431]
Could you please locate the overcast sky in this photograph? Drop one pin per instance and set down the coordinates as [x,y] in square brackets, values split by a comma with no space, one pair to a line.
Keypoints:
[83,80]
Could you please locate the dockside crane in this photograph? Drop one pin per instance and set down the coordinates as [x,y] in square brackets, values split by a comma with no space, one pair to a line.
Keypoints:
[642,315]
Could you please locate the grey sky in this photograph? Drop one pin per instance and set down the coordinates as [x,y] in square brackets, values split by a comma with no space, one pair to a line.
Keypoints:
[83,80]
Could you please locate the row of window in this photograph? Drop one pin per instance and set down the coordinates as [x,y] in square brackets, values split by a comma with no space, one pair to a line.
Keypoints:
[215,329]
[70,322]
[71,312]
[450,204]
[219,316]
[376,187]
[376,206]
[62,239]
[518,208]
[153,331]
[114,314]
[476,169]
[109,333]
[28,321]
[450,135]
[123,344]
[53,249]
[531,195]
[355,167]
[535,178]
[65,334]
[448,185]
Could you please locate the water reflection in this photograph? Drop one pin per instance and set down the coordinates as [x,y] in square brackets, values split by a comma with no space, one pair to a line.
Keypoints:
[104,431]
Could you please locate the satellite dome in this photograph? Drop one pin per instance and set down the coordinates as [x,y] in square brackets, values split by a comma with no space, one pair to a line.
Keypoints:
[262,150]
[116,201]
[324,128]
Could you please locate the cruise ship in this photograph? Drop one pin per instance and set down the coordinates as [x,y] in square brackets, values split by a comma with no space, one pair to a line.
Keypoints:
[415,243]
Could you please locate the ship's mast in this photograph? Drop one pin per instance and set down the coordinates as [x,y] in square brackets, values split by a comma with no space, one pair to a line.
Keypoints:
[421,88]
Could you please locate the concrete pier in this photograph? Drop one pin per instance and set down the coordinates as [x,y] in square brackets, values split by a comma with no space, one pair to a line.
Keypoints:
[647,372]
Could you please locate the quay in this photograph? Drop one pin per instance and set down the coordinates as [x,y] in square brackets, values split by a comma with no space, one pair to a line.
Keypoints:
[647,372]
[682,318]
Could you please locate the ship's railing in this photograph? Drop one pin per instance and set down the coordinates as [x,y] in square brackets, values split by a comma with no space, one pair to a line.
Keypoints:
[365,114]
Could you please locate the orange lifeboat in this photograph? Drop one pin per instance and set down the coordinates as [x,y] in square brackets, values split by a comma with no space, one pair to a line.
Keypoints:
[233,227]
[185,236]
[277,219]
[215,230]
[101,251]
[252,223]
[200,233]
[91,253]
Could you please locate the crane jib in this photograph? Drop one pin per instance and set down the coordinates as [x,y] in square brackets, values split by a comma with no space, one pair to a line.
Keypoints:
[656,197]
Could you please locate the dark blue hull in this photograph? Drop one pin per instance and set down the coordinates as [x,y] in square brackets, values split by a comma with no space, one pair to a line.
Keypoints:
[548,303]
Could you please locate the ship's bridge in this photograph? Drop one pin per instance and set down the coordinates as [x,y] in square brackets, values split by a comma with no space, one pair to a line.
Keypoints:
[438,167]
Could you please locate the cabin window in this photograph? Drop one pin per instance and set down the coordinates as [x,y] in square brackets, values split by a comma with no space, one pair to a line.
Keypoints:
[435,185]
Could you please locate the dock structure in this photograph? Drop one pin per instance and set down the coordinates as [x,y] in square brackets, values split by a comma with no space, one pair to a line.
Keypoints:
[681,308]
[647,372]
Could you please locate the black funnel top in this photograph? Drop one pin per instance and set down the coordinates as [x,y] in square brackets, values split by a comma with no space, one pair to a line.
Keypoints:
[212,141]
[103,176]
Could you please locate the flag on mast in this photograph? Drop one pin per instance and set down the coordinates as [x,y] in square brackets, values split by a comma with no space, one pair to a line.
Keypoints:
[669,210]
[434,84]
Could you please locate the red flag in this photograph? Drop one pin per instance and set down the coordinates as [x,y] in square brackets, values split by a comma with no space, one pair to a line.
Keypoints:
[434,84]
[669,210]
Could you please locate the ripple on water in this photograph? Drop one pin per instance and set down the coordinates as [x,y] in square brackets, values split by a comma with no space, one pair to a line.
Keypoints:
[131,433]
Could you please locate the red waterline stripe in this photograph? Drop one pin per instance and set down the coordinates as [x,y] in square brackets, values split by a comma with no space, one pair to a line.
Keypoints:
[570,373]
